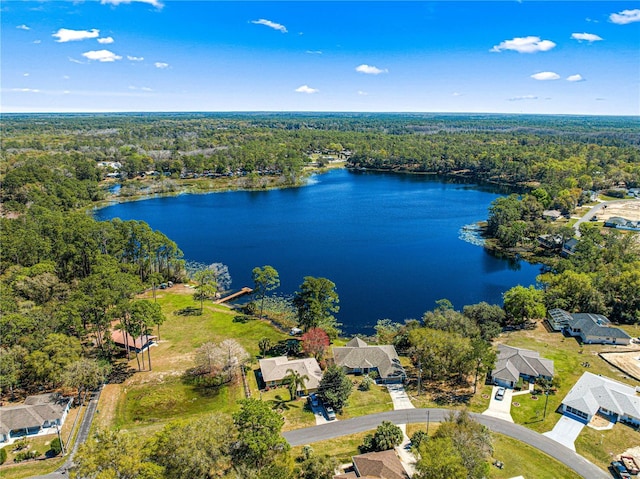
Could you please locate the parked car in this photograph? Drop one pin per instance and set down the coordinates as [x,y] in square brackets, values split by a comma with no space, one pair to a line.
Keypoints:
[313,400]
[331,414]
[619,470]
[500,393]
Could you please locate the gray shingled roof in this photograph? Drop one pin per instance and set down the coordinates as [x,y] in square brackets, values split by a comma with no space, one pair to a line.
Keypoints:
[358,355]
[592,392]
[596,325]
[275,369]
[33,412]
[512,362]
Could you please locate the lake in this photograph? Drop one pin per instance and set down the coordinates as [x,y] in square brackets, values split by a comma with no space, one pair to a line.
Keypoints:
[392,244]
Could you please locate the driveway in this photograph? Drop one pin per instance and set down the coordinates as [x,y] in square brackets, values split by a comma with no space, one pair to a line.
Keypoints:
[401,401]
[318,412]
[500,409]
[399,397]
[566,431]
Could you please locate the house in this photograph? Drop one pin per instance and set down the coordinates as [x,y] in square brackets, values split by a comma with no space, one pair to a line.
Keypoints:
[622,223]
[357,357]
[515,363]
[38,415]
[383,465]
[569,247]
[135,344]
[594,394]
[274,370]
[551,215]
[589,327]
[550,241]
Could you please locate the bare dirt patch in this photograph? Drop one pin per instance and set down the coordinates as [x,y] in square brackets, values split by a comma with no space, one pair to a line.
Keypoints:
[629,210]
[628,362]
[107,406]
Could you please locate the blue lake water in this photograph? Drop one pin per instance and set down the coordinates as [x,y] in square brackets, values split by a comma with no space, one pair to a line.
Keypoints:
[391,243]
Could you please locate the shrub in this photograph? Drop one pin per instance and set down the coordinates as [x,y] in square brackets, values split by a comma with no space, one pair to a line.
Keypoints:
[366,383]
[56,446]
[25,456]
[3,455]
[418,437]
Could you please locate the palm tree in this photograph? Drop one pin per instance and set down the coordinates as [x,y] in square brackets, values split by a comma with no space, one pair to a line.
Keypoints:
[295,379]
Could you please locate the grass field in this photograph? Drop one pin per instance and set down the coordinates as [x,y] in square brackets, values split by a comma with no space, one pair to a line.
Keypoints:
[150,399]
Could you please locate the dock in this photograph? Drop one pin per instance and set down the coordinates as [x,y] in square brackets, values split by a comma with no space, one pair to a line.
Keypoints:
[235,295]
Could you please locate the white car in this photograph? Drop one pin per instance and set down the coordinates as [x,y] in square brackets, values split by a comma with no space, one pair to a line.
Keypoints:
[331,414]
[500,393]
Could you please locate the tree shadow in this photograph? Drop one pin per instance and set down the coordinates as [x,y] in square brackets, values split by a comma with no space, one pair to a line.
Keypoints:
[189,311]
[120,372]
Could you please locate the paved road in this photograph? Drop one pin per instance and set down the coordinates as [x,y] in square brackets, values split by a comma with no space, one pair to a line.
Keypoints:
[593,211]
[407,416]
[83,434]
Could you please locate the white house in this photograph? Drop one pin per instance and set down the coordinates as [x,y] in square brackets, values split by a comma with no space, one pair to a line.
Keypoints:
[38,415]
[589,327]
[594,394]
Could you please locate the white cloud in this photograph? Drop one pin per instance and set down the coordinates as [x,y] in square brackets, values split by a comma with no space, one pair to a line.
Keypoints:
[26,90]
[529,44]
[625,16]
[105,40]
[314,52]
[455,93]
[154,3]
[587,37]
[270,24]
[66,35]
[362,93]
[66,77]
[524,97]
[37,42]
[545,76]
[134,59]
[23,27]
[370,69]
[142,88]
[306,89]
[25,74]
[576,77]
[102,56]
[161,65]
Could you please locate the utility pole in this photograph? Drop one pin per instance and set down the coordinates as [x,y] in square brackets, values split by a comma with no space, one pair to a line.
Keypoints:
[428,423]
[546,393]
[419,376]
[60,439]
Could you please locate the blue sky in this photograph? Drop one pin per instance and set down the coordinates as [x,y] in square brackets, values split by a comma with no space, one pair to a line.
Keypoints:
[575,57]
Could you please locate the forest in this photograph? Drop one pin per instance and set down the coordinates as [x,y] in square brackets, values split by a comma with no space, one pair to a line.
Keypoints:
[66,277]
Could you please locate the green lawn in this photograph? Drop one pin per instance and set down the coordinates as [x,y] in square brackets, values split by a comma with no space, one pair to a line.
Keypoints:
[568,357]
[361,403]
[600,446]
[152,398]
[520,459]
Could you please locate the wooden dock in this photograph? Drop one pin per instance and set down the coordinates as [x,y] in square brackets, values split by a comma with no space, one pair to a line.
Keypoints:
[235,295]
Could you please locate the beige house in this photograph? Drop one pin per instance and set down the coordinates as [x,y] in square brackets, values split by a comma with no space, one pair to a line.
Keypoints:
[274,370]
